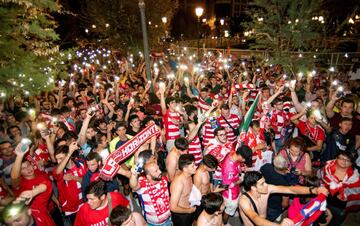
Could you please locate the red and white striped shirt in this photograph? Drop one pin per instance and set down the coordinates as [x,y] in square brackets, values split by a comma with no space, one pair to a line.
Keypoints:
[172,130]
[279,120]
[208,130]
[203,105]
[234,121]
[195,149]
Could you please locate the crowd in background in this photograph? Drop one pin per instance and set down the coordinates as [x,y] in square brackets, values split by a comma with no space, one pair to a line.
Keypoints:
[238,137]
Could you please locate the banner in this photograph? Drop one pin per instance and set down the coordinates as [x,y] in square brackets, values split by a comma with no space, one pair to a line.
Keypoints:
[111,166]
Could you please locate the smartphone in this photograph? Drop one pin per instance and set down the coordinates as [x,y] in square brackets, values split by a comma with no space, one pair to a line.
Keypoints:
[139,167]
[25,144]
[340,94]
[225,186]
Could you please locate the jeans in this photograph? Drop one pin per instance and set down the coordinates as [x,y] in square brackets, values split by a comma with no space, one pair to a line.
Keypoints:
[166,223]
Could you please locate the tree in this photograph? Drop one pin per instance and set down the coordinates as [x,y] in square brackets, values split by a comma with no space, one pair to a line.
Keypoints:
[27,42]
[284,26]
[116,23]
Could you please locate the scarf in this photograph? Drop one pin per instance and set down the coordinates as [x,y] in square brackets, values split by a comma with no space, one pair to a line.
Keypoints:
[348,189]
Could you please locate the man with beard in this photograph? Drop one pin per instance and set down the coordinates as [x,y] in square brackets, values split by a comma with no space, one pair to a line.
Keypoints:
[152,189]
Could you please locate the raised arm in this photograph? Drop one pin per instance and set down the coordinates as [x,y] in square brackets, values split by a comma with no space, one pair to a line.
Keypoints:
[295,118]
[194,129]
[298,106]
[16,169]
[272,98]
[330,106]
[85,125]
[162,88]
[133,181]
[49,144]
[72,147]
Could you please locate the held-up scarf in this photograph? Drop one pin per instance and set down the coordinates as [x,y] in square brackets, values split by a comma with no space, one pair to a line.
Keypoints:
[348,189]
[111,166]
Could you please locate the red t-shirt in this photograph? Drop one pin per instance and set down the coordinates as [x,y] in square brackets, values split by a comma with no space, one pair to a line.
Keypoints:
[89,217]
[313,133]
[40,202]
[70,195]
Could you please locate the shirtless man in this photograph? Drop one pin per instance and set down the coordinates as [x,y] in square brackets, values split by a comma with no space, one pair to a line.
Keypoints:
[181,187]
[181,146]
[121,215]
[258,191]
[214,206]
[202,175]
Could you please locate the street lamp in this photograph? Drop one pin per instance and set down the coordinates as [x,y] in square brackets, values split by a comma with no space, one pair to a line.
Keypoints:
[145,40]
[222,21]
[199,12]
[164,20]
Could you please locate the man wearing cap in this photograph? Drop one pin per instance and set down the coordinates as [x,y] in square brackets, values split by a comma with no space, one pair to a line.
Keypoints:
[231,170]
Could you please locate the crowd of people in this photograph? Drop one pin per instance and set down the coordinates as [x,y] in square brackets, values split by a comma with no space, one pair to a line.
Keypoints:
[237,138]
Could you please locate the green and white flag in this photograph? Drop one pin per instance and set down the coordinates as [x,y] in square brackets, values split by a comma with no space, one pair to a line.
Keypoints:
[247,120]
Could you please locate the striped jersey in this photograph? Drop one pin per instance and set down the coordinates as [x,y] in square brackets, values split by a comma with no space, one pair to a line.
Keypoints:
[195,149]
[234,121]
[171,125]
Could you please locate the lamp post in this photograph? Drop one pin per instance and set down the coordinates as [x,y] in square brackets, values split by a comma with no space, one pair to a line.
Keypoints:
[145,41]
[222,22]
[199,12]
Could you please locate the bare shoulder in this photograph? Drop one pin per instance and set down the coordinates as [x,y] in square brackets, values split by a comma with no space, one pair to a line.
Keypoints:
[178,181]
[139,219]
[243,201]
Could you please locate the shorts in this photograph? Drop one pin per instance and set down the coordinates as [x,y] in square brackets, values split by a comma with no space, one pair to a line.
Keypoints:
[231,206]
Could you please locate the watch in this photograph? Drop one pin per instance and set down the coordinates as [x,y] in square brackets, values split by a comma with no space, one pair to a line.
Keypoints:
[310,189]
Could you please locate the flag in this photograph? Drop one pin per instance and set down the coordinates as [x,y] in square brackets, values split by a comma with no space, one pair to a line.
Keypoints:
[311,211]
[347,189]
[246,122]
[111,166]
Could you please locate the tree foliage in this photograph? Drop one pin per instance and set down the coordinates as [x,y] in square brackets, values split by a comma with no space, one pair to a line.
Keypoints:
[116,23]
[284,26]
[27,40]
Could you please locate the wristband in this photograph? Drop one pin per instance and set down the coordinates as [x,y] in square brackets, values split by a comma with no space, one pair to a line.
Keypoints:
[310,190]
